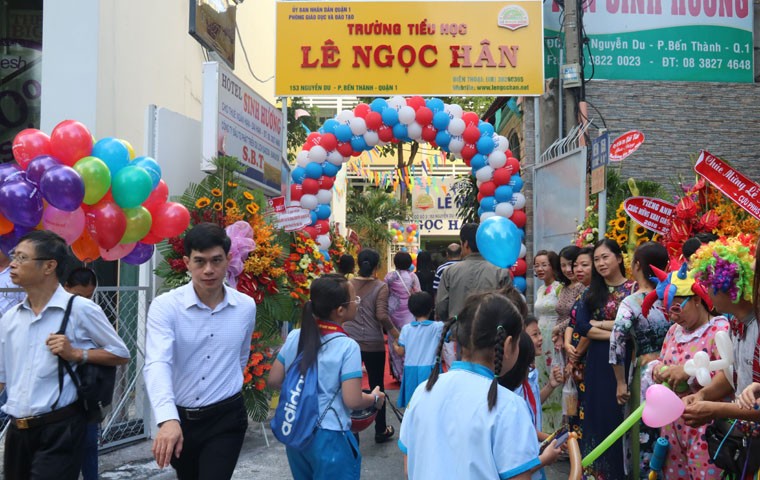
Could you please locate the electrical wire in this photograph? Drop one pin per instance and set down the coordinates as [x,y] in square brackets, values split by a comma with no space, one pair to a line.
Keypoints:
[604,122]
[245,54]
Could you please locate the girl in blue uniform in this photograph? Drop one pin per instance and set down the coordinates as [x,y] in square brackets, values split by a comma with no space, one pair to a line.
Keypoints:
[497,438]
[417,344]
[333,453]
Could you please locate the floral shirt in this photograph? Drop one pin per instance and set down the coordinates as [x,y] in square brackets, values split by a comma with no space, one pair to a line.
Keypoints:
[647,333]
[565,301]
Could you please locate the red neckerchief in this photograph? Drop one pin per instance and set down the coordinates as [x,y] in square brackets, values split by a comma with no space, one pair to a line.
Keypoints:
[326,328]
[737,328]
[528,395]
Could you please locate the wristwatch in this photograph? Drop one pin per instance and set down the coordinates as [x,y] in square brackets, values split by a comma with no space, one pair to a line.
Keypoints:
[85,354]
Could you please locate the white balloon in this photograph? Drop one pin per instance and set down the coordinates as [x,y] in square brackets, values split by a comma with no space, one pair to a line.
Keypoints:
[523,251]
[497,159]
[335,158]
[414,130]
[346,159]
[502,144]
[323,241]
[455,111]
[318,154]
[358,126]
[382,143]
[302,159]
[456,127]
[309,202]
[456,144]
[518,200]
[406,115]
[324,196]
[396,102]
[478,183]
[484,174]
[345,116]
[504,209]
[486,215]
[371,138]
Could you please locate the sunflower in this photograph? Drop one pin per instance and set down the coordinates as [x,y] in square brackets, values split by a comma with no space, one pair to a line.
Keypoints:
[216,192]
[641,240]
[248,195]
[232,184]
[218,206]
[230,203]
[202,202]
[252,208]
[622,239]
[620,223]
[640,231]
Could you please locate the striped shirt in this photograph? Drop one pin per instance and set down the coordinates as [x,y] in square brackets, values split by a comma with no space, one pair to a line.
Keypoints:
[439,272]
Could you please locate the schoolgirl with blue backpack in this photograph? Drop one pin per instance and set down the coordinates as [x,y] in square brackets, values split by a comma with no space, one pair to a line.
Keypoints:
[319,373]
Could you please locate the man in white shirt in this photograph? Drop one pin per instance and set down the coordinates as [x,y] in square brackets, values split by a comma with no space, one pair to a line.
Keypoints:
[48,424]
[198,343]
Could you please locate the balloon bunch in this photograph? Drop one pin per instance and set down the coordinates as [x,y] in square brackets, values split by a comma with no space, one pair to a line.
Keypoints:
[96,195]
[404,233]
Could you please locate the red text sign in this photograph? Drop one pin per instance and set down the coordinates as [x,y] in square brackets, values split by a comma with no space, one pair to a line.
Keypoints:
[625,145]
[651,213]
[740,189]
[293,218]
[277,204]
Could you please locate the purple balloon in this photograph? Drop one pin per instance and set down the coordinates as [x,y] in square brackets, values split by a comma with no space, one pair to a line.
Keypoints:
[141,254]
[21,203]
[39,166]
[63,188]
[8,169]
[9,241]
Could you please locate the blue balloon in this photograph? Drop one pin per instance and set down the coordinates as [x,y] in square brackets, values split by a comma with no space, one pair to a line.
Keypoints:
[480,211]
[151,166]
[323,211]
[330,125]
[516,183]
[400,131]
[520,284]
[435,104]
[325,254]
[478,161]
[378,105]
[486,129]
[485,145]
[498,240]
[314,217]
[390,116]
[441,120]
[503,193]
[330,170]
[442,139]
[313,170]
[298,174]
[358,143]
[343,133]
[488,204]
[113,153]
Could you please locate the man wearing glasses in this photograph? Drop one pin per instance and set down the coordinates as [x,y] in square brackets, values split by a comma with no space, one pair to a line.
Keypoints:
[198,343]
[48,424]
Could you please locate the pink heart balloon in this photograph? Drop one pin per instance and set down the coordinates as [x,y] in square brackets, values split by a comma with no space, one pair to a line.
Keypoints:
[662,407]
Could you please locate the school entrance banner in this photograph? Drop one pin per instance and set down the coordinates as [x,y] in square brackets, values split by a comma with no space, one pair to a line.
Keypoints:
[492,48]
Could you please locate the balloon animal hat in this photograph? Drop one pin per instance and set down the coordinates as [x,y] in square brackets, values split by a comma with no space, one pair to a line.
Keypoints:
[678,283]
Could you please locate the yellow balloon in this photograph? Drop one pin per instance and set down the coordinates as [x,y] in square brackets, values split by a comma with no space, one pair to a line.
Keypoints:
[129,148]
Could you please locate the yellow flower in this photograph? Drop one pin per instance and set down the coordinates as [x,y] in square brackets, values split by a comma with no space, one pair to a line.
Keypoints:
[248,195]
[218,206]
[641,240]
[620,223]
[216,192]
[622,239]
[252,208]
[232,184]
[230,203]
[640,231]
[202,202]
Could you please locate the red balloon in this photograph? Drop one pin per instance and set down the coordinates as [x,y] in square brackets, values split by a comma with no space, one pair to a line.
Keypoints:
[471,134]
[468,151]
[385,133]
[424,116]
[322,227]
[326,182]
[519,268]
[356,154]
[329,142]
[373,120]
[296,191]
[311,231]
[513,165]
[488,189]
[428,133]
[415,102]
[170,219]
[519,218]
[29,144]
[151,239]
[508,153]
[344,148]
[106,224]
[480,197]
[467,161]
[310,186]
[307,146]
[70,141]
[471,119]
[361,110]
[501,176]
[313,139]
[158,196]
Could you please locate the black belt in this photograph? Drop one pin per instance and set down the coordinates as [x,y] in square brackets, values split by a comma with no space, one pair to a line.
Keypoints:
[61,414]
[208,411]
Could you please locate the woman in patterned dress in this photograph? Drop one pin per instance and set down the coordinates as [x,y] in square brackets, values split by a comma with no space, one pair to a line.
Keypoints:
[546,267]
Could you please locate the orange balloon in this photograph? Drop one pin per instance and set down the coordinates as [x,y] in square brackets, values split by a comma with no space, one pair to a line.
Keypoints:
[85,248]
[6,226]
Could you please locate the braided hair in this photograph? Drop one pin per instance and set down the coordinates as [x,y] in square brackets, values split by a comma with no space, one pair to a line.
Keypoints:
[437,364]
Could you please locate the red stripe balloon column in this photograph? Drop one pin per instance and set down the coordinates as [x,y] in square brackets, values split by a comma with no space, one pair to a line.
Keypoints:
[96,195]
[399,119]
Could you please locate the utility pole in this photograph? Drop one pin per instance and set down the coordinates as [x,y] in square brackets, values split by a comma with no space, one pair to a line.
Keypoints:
[571,72]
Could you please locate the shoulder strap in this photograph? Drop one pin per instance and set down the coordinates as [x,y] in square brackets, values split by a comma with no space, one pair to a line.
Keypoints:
[404,284]
[61,362]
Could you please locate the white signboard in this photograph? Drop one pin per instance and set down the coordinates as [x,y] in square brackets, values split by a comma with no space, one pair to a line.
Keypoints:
[292,218]
[434,208]
[238,122]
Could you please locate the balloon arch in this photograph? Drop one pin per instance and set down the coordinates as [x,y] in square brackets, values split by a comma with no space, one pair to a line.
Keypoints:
[446,126]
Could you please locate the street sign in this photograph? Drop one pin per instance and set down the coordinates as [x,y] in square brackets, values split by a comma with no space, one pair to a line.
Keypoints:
[740,189]
[600,150]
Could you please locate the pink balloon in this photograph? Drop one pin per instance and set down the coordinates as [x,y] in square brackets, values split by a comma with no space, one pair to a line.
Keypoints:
[119,251]
[68,225]
[663,407]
